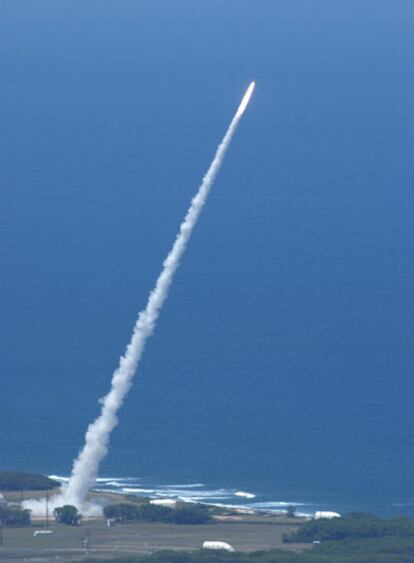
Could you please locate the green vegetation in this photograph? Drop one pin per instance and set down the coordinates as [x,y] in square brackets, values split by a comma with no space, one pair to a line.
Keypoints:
[354,526]
[10,481]
[14,516]
[128,512]
[184,514]
[208,556]
[381,553]
[291,511]
[356,538]
[190,514]
[67,514]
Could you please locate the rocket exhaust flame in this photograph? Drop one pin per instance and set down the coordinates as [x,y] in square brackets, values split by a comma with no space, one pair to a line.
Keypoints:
[246,99]
[86,466]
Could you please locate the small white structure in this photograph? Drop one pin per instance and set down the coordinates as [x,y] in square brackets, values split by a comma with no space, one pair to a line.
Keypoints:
[164,502]
[249,511]
[42,532]
[326,514]
[217,545]
[110,522]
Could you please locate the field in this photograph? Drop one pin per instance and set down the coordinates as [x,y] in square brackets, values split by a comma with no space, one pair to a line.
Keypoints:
[93,537]
[246,533]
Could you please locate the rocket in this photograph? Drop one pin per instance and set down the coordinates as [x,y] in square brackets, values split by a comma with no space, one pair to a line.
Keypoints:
[246,99]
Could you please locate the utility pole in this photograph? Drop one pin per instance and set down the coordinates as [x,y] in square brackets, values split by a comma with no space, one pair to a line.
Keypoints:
[87,543]
[47,510]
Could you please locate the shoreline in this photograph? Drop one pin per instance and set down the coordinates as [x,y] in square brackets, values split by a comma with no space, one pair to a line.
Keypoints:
[244,532]
[198,493]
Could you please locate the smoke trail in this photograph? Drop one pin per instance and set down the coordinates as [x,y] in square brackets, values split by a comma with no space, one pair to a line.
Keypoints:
[85,467]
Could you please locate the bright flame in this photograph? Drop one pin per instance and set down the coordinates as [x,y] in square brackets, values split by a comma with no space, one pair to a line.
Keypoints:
[246,99]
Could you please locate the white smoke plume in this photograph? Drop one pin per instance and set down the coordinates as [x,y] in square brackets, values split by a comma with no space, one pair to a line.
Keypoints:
[86,466]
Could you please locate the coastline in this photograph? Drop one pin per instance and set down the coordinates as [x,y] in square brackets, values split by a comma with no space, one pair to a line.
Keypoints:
[245,532]
[227,499]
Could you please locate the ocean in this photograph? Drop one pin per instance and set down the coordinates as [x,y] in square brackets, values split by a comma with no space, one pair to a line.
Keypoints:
[282,363]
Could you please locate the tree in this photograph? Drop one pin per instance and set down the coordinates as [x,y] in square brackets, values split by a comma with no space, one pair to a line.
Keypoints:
[14,517]
[67,514]
[185,514]
[190,514]
[128,512]
[123,511]
[353,527]
[154,513]
[14,481]
[290,511]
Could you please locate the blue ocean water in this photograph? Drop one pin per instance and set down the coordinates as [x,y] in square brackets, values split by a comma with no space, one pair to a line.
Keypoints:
[282,363]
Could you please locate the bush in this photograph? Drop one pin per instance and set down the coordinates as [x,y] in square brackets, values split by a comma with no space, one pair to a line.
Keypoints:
[209,556]
[155,513]
[121,511]
[67,514]
[352,526]
[25,482]
[291,511]
[14,517]
[128,512]
[125,511]
[190,514]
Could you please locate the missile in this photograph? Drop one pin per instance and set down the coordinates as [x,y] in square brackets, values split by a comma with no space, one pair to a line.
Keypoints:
[246,99]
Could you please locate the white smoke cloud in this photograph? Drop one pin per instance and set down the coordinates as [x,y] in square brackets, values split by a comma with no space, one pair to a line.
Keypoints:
[85,467]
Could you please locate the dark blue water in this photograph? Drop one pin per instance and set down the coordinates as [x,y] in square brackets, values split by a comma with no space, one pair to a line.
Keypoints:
[283,362]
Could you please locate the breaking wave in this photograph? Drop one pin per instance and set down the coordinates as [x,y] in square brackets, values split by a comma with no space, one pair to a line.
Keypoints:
[231,498]
[244,495]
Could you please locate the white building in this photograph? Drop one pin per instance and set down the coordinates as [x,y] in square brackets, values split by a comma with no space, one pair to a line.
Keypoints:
[217,545]
[326,514]
[164,502]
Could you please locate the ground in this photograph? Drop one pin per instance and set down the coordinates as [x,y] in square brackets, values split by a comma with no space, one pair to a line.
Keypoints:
[244,533]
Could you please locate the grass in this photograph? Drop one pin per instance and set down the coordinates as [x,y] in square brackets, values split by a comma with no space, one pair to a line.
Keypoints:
[248,533]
